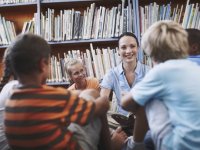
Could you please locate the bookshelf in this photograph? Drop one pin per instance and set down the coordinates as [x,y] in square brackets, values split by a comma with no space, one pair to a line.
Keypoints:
[142,14]
[58,84]
[107,41]
[15,13]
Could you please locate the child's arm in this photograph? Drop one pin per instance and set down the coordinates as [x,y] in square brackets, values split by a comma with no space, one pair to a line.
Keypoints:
[101,102]
[105,137]
[105,92]
[101,107]
[128,103]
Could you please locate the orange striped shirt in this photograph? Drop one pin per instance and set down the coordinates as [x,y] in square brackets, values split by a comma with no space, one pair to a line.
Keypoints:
[37,118]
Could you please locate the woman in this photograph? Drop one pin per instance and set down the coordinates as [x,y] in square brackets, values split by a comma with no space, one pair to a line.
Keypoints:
[77,74]
[122,78]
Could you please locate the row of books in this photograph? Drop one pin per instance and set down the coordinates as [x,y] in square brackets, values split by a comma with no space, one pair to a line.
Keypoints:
[97,62]
[7,31]
[191,16]
[31,26]
[15,1]
[94,23]
[154,12]
[101,22]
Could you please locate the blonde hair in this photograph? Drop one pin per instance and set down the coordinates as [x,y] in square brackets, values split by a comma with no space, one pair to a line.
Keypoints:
[70,63]
[165,40]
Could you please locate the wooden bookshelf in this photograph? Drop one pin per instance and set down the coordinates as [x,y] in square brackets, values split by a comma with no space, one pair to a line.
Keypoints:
[23,12]
[79,2]
[161,2]
[57,84]
[18,13]
[18,5]
[84,41]
[2,47]
[63,46]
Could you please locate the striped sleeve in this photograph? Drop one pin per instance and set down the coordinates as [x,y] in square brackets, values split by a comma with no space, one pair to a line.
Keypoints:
[78,110]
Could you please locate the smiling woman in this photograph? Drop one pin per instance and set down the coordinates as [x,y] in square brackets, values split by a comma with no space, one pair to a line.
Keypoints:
[128,49]
[122,79]
[129,72]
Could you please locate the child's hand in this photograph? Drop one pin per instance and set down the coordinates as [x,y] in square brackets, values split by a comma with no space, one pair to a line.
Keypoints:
[118,138]
[76,92]
[89,94]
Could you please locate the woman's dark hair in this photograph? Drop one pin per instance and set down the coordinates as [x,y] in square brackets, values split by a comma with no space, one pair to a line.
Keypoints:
[128,34]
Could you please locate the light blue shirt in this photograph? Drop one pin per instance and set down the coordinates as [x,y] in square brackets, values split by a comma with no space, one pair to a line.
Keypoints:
[195,59]
[177,84]
[115,80]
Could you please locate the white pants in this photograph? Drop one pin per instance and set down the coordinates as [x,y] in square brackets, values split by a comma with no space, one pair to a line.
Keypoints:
[87,136]
[3,140]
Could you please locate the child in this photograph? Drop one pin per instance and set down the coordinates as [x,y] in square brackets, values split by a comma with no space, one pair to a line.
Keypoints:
[77,74]
[170,91]
[194,45]
[37,116]
[5,93]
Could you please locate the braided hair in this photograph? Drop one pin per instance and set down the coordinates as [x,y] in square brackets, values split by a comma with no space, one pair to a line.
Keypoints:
[7,71]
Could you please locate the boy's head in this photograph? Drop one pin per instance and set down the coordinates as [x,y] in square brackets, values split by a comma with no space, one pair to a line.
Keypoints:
[165,40]
[194,41]
[28,55]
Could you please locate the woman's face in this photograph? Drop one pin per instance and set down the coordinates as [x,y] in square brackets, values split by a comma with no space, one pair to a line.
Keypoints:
[78,73]
[128,49]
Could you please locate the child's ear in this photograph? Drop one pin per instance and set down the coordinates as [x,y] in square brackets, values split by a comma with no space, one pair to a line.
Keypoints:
[193,50]
[70,79]
[195,47]
[43,64]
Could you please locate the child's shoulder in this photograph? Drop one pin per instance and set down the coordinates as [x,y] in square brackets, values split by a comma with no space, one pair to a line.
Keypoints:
[58,90]
[92,79]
